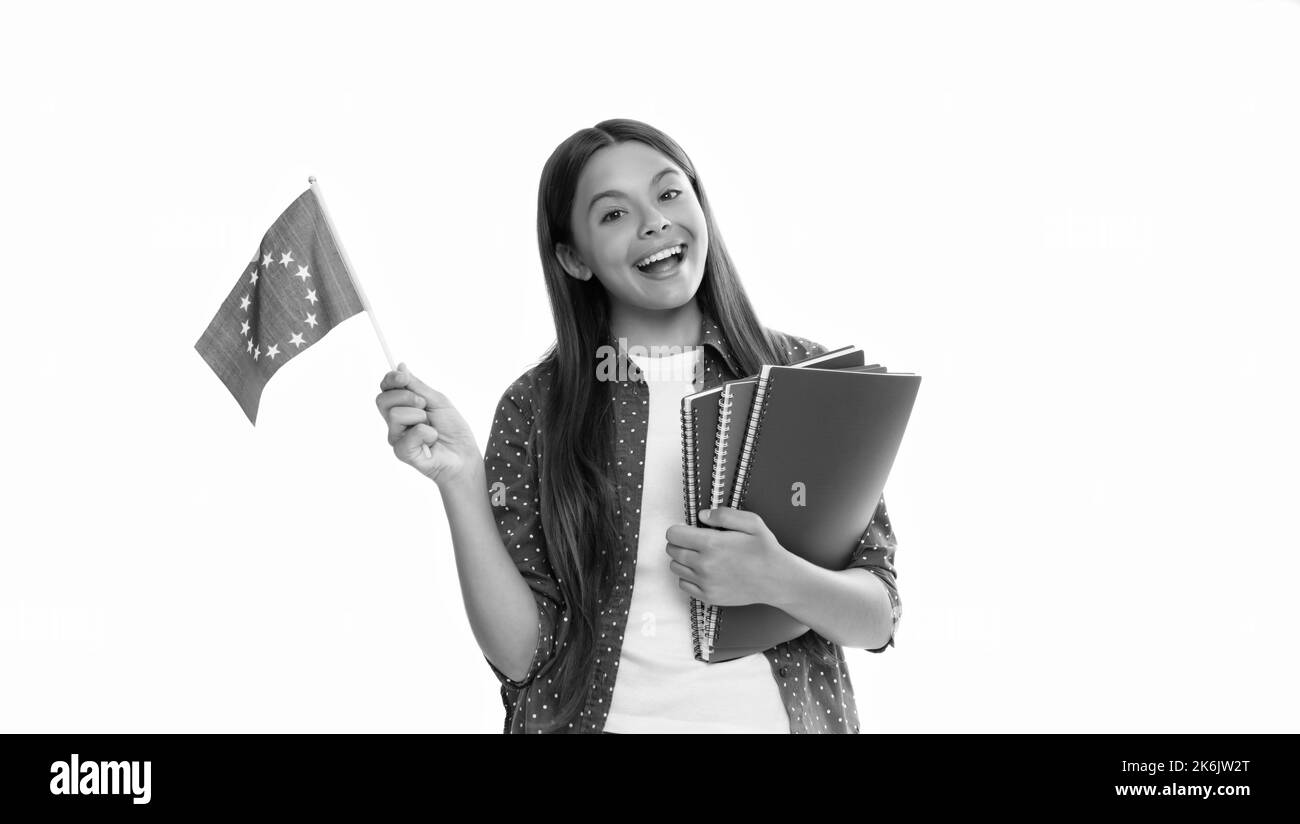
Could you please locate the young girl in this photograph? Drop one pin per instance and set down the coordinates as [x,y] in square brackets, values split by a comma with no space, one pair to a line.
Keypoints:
[575,563]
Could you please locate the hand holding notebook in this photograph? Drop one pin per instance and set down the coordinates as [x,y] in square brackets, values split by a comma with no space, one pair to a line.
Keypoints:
[737,562]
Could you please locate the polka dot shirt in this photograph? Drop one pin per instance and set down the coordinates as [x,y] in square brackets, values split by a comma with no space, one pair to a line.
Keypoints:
[817,698]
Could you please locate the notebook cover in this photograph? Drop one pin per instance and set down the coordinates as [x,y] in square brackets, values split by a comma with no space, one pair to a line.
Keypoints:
[837,432]
[701,409]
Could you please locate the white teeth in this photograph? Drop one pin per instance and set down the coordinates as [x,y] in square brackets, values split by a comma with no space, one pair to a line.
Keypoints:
[659,255]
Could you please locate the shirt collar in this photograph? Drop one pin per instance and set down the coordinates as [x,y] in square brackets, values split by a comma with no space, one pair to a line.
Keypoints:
[710,336]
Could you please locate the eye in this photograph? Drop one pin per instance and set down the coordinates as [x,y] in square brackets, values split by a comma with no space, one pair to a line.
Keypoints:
[675,193]
[605,218]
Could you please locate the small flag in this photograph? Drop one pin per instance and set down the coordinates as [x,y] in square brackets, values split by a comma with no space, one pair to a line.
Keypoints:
[294,291]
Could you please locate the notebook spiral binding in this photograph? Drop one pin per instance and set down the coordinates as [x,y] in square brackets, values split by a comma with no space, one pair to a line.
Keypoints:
[689,459]
[717,497]
[688,462]
[756,412]
[718,488]
[762,393]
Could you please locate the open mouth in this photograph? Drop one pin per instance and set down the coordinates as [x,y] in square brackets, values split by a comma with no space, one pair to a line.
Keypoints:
[664,261]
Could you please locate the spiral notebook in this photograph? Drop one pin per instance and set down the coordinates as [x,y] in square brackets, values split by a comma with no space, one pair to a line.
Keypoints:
[834,431]
[700,438]
[700,441]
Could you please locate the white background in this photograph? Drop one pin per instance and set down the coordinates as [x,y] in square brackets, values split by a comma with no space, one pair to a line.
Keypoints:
[1077,220]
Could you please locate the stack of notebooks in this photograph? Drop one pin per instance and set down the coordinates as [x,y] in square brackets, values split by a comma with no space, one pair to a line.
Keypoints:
[808,448]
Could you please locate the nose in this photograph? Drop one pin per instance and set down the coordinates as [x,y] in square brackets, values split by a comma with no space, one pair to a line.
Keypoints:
[654,223]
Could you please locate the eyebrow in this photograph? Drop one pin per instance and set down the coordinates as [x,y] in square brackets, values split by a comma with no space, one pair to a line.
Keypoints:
[616,193]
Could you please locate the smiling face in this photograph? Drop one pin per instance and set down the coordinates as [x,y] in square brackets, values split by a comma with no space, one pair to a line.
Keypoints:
[633,203]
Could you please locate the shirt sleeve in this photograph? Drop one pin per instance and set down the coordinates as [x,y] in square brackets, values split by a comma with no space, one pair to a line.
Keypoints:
[512,474]
[875,552]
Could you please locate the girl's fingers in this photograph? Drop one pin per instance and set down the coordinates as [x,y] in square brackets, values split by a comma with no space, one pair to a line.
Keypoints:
[432,397]
[682,570]
[408,447]
[394,380]
[397,397]
[682,555]
[400,417]
[401,379]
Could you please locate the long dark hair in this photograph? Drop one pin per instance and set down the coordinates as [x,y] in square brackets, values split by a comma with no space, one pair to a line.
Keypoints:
[577,487]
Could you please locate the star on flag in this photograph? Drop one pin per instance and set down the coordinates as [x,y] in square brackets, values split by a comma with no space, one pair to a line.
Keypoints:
[311,296]
[302,273]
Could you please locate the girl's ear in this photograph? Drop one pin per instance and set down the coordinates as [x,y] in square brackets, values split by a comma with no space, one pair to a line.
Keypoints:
[571,263]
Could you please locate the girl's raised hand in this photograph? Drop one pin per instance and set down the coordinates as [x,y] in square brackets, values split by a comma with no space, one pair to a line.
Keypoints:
[418,416]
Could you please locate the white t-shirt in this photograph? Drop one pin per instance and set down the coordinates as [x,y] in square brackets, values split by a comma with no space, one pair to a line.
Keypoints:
[660,687]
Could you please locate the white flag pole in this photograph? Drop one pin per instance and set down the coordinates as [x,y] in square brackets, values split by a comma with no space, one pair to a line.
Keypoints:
[356,283]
